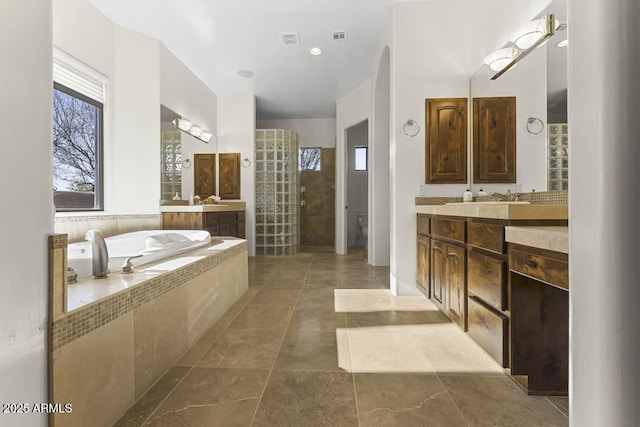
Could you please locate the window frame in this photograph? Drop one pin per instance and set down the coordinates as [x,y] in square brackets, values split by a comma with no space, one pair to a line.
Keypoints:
[98,188]
[366,158]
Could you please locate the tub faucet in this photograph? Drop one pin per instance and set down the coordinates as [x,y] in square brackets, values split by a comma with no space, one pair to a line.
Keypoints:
[508,197]
[99,254]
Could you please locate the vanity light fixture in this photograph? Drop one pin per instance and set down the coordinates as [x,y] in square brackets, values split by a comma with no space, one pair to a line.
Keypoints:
[183,124]
[532,37]
[315,51]
[500,58]
[195,131]
[192,129]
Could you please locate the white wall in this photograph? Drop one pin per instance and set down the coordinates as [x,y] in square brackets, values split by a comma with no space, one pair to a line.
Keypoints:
[380,162]
[25,38]
[311,132]
[603,213]
[357,182]
[132,171]
[142,74]
[351,109]
[236,134]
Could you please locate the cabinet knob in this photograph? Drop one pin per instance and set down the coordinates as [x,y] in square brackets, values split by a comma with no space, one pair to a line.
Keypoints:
[531,263]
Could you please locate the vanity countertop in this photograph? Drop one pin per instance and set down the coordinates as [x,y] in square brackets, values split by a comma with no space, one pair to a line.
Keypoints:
[497,210]
[226,206]
[549,238]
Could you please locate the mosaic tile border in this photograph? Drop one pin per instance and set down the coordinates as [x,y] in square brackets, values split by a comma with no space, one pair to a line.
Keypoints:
[91,317]
[560,197]
[85,218]
[58,241]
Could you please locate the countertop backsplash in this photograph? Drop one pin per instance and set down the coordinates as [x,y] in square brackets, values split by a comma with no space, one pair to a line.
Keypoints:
[541,197]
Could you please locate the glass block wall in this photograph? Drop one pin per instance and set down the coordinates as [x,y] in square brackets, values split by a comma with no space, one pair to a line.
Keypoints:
[558,156]
[277,196]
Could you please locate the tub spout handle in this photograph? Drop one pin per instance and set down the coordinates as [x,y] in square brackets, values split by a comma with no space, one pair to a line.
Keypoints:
[127,267]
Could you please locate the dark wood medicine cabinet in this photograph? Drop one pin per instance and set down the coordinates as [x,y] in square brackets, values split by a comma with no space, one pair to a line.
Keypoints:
[204,175]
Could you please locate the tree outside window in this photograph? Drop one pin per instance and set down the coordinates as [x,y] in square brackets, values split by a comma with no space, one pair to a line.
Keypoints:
[77,143]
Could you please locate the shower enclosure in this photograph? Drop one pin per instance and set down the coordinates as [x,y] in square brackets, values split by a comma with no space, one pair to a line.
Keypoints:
[277,204]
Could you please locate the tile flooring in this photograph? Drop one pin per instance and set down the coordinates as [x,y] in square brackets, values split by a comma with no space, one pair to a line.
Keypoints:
[319,340]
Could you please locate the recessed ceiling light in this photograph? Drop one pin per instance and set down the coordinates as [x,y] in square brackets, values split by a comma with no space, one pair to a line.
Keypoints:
[315,51]
[245,74]
[563,43]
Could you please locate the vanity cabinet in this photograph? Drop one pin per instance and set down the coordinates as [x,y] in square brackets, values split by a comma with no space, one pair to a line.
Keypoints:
[229,164]
[448,263]
[424,254]
[539,292]
[494,140]
[230,223]
[446,141]
[487,287]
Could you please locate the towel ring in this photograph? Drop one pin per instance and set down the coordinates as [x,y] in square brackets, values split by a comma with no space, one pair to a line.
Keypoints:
[186,163]
[408,126]
[245,163]
[534,125]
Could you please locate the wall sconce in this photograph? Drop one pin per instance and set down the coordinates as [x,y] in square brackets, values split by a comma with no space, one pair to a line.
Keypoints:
[529,38]
[193,129]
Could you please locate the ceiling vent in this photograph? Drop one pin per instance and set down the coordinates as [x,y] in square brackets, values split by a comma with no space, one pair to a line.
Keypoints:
[290,38]
[339,36]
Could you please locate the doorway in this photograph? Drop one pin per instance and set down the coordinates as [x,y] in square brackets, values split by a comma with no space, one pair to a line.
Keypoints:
[357,144]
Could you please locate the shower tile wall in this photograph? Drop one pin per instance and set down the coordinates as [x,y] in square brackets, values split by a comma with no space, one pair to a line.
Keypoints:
[277,201]
[318,217]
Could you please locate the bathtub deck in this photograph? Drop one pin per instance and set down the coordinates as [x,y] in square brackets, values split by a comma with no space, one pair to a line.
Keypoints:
[89,290]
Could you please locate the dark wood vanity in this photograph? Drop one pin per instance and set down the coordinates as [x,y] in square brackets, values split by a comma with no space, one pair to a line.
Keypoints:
[218,220]
[511,299]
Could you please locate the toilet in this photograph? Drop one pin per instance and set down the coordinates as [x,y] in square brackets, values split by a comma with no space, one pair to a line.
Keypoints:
[363,224]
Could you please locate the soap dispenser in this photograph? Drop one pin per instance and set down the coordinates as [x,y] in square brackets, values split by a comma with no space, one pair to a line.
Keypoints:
[467,196]
[481,193]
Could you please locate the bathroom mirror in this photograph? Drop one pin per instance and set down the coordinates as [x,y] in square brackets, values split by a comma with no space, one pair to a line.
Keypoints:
[539,84]
[176,156]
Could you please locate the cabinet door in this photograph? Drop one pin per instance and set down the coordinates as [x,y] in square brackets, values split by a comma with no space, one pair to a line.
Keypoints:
[456,284]
[229,164]
[438,273]
[204,175]
[424,253]
[494,139]
[446,141]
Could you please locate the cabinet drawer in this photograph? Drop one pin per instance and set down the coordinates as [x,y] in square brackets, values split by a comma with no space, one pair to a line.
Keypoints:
[486,236]
[210,219]
[489,329]
[424,225]
[228,229]
[227,217]
[213,230]
[486,278]
[447,228]
[542,267]
[241,232]
[240,215]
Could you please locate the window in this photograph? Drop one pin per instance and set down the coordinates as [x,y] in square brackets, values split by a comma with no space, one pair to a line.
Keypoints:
[77,150]
[309,159]
[361,159]
[171,164]
[78,103]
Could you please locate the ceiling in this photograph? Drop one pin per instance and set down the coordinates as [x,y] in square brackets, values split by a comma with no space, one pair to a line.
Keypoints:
[218,38]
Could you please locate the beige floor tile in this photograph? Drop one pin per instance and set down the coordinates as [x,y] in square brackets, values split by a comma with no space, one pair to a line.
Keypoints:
[391,352]
[317,319]
[451,351]
[263,317]
[314,351]
[315,298]
[404,400]
[296,398]
[320,284]
[290,284]
[238,348]
[273,297]
[497,401]
[210,397]
[148,403]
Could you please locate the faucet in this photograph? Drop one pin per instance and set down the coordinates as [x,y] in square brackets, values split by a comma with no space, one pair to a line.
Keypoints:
[508,197]
[99,254]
